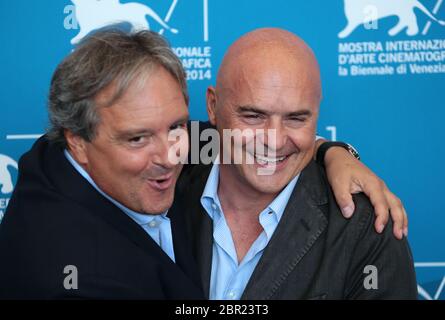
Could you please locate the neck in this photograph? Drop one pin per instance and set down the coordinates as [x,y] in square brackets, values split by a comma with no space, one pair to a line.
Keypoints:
[241,205]
[237,196]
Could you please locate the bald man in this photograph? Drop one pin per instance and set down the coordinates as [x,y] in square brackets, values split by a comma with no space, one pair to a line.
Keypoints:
[271,228]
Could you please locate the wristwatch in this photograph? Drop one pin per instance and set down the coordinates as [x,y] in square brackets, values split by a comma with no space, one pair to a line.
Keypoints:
[328,144]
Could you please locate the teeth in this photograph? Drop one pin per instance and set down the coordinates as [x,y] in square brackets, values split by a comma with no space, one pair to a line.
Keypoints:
[265,160]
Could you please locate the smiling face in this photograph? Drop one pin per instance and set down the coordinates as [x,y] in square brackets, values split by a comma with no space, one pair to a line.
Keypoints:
[128,158]
[268,87]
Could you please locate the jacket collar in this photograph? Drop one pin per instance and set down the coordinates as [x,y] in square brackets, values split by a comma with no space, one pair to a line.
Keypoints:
[302,223]
[49,162]
[301,226]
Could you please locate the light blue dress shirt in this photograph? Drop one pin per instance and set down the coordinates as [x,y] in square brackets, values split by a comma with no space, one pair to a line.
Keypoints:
[158,227]
[228,278]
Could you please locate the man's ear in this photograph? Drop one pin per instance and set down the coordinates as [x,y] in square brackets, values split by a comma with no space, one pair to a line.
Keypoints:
[211,104]
[77,147]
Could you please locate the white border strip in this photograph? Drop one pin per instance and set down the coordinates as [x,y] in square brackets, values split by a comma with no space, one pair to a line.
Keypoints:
[206,20]
[429,264]
[23,136]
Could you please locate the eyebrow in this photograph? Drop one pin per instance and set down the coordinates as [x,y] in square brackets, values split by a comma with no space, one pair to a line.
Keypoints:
[143,131]
[134,132]
[181,120]
[254,109]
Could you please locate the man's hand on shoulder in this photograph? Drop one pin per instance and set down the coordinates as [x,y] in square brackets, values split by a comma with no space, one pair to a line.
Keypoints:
[348,176]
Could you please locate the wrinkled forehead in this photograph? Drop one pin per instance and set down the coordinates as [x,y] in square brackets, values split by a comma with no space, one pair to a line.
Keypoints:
[273,59]
[271,71]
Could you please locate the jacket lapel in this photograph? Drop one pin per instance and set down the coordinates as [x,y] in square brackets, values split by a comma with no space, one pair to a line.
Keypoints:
[302,223]
[203,249]
[73,186]
[199,224]
[182,247]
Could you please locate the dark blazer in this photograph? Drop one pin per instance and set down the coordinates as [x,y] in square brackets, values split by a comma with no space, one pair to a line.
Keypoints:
[314,253]
[56,218]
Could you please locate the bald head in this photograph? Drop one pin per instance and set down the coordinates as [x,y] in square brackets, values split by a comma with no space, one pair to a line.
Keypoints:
[268,84]
[270,52]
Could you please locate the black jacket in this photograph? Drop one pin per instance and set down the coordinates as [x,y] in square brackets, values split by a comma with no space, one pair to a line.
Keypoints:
[314,253]
[56,219]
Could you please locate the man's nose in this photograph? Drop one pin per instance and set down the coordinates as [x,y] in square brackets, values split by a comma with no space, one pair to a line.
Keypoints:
[275,135]
[161,154]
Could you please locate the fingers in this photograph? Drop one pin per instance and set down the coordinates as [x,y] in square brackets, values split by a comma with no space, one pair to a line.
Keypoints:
[398,231]
[398,215]
[344,200]
[348,176]
[382,215]
[385,204]
[375,193]
[405,225]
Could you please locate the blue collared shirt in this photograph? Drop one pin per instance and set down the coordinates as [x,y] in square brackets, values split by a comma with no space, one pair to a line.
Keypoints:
[228,278]
[158,227]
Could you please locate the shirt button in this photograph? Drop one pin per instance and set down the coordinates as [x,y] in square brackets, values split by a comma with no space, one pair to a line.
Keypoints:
[152,223]
[214,207]
[231,294]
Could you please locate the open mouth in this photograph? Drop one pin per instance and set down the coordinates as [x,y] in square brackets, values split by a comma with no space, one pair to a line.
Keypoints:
[270,161]
[162,183]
